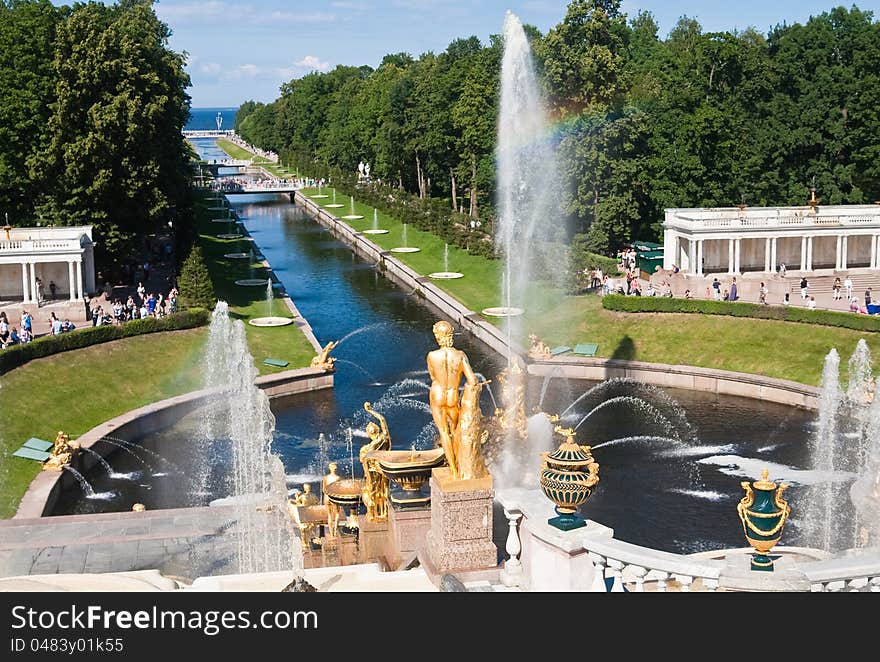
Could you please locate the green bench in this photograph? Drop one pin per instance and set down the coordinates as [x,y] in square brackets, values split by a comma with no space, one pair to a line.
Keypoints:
[586,349]
[35,449]
[276,363]
[559,351]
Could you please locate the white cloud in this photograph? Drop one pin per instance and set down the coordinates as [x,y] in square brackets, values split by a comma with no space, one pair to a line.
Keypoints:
[210,68]
[313,62]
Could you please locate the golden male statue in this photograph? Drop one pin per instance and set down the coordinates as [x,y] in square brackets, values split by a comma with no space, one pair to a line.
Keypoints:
[447,366]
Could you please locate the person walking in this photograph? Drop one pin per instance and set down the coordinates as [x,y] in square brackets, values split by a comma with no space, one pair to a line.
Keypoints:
[716,285]
[848,287]
[812,304]
[836,289]
[804,287]
[764,292]
[867,297]
[782,270]
[733,293]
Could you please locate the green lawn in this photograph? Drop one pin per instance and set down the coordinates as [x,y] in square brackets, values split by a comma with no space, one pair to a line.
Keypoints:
[246,303]
[776,349]
[76,391]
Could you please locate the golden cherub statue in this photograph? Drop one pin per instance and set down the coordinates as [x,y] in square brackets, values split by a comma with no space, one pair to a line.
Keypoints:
[324,360]
[62,453]
[539,349]
[376,486]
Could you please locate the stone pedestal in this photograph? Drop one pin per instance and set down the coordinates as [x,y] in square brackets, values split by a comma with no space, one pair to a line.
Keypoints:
[372,540]
[460,539]
[406,534]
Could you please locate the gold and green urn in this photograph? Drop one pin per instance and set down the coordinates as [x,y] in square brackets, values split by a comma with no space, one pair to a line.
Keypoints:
[763,513]
[568,477]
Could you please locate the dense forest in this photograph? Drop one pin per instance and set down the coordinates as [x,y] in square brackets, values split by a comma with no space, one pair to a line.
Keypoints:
[643,123]
[92,103]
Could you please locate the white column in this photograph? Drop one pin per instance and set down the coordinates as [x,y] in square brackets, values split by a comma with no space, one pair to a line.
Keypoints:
[692,257]
[669,242]
[78,269]
[873,252]
[730,264]
[803,253]
[700,244]
[34,296]
[72,280]
[774,254]
[24,282]
[845,253]
[738,257]
[839,253]
[768,254]
[810,254]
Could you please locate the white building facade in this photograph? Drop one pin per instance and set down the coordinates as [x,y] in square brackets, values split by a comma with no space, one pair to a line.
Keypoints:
[737,241]
[63,256]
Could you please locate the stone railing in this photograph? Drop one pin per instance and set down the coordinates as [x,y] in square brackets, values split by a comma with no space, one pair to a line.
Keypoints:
[544,559]
[37,245]
[805,220]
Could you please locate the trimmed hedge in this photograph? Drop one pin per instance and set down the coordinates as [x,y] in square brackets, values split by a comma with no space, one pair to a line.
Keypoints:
[18,355]
[630,304]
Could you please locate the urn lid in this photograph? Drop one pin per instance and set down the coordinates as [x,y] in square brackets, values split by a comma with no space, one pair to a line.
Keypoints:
[765,484]
[570,453]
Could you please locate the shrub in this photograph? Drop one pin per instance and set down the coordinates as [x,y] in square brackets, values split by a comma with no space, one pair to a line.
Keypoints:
[196,289]
[628,304]
[18,355]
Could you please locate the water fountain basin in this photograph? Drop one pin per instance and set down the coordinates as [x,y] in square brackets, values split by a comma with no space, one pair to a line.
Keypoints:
[345,492]
[223,220]
[352,217]
[406,250]
[252,282]
[230,237]
[376,231]
[503,311]
[409,469]
[334,206]
[271,322]
[446,275]
[319,197]
[237,256]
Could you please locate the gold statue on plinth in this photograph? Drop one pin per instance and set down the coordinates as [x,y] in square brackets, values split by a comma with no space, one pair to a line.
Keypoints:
[539,349]
[62,453]
[332,508]
[376,486]
[459,423]
[324,360]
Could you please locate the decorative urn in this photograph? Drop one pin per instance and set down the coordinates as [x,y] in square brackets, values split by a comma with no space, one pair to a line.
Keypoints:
[568,477]
[763,513]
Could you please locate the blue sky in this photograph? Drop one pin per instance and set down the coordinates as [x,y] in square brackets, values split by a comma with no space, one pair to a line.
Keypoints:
[245,49]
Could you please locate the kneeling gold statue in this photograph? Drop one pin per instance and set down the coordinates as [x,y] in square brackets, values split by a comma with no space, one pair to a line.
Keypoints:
[324,360]
[376,487]
[62,453]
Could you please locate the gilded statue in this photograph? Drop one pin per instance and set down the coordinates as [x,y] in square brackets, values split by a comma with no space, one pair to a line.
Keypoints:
[332,509]
[306,497]
[324,360]
[376,487]
[512,419]
[62,453]
[469,435]
[539,349]
[447,366]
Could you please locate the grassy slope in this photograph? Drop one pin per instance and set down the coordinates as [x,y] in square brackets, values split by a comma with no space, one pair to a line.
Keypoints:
[79,390]
[776,349]
[286,343]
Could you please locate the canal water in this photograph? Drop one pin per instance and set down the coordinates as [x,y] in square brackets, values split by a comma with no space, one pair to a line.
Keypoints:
[671,461]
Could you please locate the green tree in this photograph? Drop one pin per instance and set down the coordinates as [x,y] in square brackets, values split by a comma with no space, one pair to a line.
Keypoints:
[115,157]
[196,289]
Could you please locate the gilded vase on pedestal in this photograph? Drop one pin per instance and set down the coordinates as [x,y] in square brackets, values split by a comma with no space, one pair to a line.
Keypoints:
[763,513]
[567,479]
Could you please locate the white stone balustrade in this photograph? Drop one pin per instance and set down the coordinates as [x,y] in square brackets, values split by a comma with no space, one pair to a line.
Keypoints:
[512,574]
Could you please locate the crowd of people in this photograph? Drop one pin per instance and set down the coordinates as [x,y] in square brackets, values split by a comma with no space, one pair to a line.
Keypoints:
[141,305]
[234,184]
[236,139]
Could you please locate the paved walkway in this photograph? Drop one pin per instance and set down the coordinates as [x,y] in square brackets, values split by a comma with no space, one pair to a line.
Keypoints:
[182,543]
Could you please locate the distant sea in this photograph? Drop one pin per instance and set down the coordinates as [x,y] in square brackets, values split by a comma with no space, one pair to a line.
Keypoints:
[205,119]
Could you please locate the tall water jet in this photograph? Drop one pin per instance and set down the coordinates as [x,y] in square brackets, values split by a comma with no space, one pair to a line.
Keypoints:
[822,522]
[270,297]
[265,538]
[526,176]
